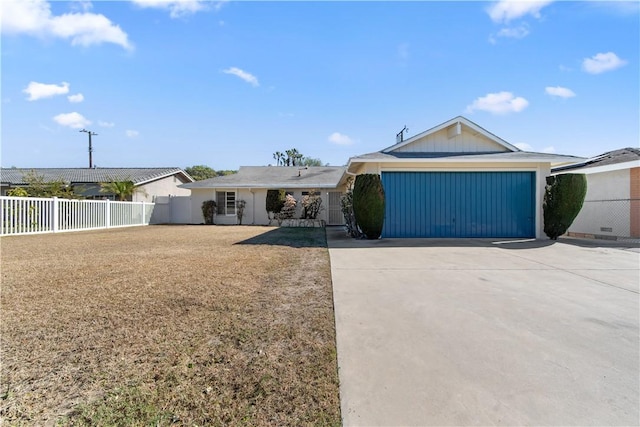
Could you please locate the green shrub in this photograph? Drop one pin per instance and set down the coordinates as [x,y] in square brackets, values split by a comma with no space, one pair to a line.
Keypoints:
[18,192]
[274,202]
[208,211]
[346,205]
[563,199]
[368,204]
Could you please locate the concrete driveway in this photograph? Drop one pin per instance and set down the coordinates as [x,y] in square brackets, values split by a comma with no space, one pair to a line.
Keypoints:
[476,332]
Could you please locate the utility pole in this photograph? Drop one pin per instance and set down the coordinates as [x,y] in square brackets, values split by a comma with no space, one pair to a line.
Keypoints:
[90,146]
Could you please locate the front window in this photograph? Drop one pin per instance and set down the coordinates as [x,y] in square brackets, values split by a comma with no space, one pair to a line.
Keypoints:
[226,202]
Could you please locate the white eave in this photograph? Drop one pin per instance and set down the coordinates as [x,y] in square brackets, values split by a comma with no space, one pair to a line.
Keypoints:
[503,157]
[600,169]
[155,178]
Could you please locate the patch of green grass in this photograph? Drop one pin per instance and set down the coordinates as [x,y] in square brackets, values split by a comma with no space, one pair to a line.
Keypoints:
[128,406]
[295,237]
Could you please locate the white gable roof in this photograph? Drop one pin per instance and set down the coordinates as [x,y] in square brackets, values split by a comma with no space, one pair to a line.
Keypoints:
[458,135]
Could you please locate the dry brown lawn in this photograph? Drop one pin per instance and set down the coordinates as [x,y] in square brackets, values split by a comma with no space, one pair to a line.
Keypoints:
[168,325]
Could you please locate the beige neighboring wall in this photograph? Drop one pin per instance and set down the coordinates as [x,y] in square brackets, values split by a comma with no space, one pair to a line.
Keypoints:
[605,211]
[167,186]
[634,192]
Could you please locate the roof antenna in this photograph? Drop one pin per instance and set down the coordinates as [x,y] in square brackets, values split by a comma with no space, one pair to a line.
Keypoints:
[400,135]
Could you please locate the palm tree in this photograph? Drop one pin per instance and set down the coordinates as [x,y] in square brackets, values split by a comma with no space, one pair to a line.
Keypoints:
[294,158]
[279,158]
[123,190]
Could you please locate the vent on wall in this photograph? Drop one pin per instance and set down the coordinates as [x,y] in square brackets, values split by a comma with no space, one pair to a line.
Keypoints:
[607,229]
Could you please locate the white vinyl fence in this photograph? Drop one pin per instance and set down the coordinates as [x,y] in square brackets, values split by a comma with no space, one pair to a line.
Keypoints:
[31,215]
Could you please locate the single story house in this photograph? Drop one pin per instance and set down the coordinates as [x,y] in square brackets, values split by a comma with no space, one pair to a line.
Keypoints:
[251,184]
[151,182]
[459,180]
[612,204]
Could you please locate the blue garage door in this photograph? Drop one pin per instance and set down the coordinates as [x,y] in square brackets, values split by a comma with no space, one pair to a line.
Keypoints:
[459,204]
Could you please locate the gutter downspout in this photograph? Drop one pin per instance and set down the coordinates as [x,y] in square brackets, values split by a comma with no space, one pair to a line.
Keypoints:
[253,206]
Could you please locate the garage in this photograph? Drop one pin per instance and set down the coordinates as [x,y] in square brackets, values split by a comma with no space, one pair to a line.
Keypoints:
[459,204]
[458,180]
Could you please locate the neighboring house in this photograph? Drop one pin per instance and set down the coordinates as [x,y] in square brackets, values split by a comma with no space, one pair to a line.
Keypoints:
[459,180]
[151,182]
[251,184]
[612,204]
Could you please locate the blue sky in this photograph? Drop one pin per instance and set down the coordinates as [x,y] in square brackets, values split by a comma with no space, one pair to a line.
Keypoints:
[172,83]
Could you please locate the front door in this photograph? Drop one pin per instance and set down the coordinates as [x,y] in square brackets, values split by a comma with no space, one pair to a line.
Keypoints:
[335,210]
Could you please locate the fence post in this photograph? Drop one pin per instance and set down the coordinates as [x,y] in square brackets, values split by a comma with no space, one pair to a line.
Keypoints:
[55,215]
[143,213]
[107,214]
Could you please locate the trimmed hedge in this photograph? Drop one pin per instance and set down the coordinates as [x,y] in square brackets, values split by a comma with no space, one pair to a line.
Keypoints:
[275,201]
[368,204]
[563,199]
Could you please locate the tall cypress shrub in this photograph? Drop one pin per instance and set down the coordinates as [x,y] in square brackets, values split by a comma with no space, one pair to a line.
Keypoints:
[563,199]
[368,204]
[274,202]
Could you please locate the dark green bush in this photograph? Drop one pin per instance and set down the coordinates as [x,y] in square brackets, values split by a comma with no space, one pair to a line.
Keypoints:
[346,205]
[368,204]
[208,211]
[563,199]
[275,200]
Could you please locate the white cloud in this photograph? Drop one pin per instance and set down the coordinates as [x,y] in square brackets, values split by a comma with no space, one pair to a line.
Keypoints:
[132,133]
[218,4]
[507,10]
[78,97]
[549,150]
[81,5]
[181,8]
[515,32]
[498,103]
[526,147]
[37,90]
[559,91]
[247,77]
[106,124]
[602,62]
[340,139]
[72,120]
[34,17]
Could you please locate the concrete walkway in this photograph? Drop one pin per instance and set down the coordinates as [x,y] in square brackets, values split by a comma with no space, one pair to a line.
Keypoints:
[477,332]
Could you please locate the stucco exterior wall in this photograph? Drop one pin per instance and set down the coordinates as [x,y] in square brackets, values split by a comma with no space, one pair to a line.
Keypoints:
[255,212]
[542,170]
[167,186]
[606,210]
[197,198]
